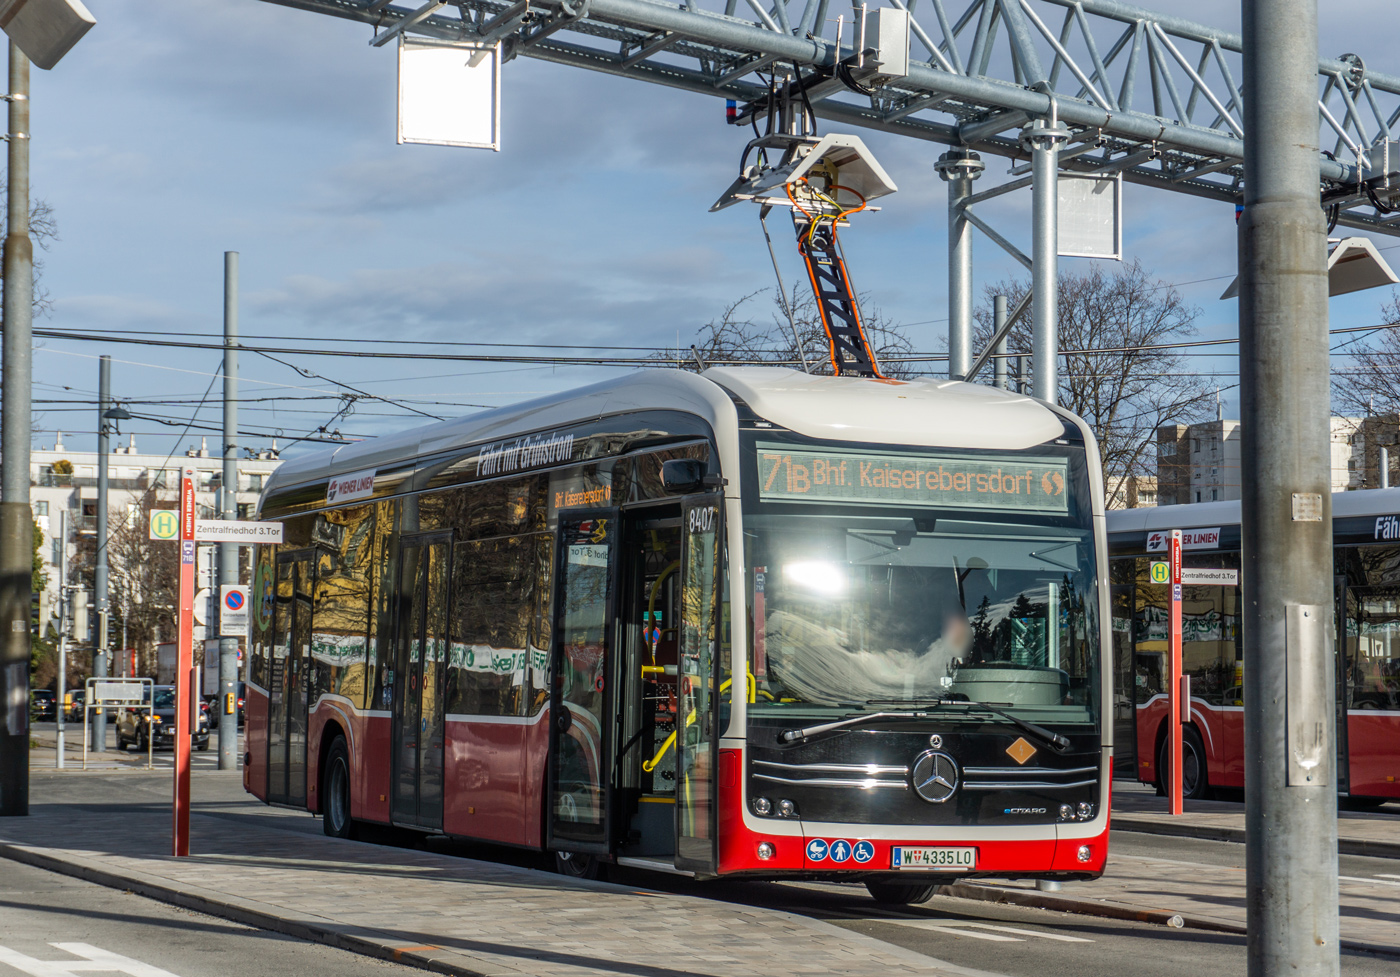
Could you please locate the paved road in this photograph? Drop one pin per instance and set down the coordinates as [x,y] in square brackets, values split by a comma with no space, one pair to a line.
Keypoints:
[46,734]
[1037,943]
[45,918]
[976,935]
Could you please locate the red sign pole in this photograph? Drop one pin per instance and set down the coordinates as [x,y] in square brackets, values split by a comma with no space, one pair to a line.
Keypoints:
[184,666]
[1174,799]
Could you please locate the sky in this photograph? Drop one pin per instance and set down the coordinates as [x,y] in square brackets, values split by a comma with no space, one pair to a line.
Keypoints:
[181,129]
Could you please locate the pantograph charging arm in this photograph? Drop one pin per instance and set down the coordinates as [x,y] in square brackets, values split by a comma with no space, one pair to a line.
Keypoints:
[851,354]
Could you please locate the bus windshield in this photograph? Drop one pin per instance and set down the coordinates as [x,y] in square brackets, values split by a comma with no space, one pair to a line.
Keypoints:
[859,609]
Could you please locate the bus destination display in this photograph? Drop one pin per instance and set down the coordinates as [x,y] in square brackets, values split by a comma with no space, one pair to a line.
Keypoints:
[788,474]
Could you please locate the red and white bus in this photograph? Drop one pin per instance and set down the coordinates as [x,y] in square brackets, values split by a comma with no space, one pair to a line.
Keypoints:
[748,622]
[1366,536]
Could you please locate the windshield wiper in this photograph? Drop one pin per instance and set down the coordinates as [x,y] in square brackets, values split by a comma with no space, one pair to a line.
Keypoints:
[1056,740]
[806,732]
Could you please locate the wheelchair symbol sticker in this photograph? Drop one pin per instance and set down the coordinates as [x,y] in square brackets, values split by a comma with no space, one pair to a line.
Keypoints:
[863,852]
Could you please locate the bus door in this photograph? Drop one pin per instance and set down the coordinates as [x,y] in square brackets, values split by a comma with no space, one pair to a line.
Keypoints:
[420,672]
[580,758]
[698,684]
[287,683]
[1369,687]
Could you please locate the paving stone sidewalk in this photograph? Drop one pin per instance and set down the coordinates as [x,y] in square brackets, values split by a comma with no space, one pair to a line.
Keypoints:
[1138,808]
[449,914]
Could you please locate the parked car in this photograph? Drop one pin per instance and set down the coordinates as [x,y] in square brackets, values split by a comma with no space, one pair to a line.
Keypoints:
[134,724]
[42,706]
[242,694]
[75,705]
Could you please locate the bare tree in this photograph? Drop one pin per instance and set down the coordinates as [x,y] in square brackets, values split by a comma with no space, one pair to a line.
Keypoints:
[736,338]
[1370,384]
[1115,374]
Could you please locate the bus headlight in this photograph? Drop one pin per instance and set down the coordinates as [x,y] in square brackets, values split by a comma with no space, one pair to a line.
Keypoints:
[762,805]
[1085,853]
[787,809]
[766,850]
[1066,812]
[1086,810]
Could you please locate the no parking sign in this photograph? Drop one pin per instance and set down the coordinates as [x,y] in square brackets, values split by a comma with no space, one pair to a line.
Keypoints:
[233,611]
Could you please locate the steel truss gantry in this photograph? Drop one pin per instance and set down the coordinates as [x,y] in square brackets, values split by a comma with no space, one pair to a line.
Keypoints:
[1093,86]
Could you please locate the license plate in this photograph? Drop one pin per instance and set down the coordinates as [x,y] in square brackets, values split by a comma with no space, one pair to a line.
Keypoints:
[934,859]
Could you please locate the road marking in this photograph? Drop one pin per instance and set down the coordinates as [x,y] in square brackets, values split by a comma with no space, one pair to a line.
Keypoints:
[1378,880]
[1044,936]
[934,925]
[95,959]
[955,927]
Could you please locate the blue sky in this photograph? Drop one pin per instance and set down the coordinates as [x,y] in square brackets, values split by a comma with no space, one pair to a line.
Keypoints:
[179,129]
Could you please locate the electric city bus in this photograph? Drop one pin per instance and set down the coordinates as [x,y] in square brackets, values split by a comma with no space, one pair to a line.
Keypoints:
[1366,537]
[750,622]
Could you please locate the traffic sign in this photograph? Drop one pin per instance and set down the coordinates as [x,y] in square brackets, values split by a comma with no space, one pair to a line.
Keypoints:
[201,606]
[1209,576]
[1161,572]
[236,531]
[233,611]
[165,524]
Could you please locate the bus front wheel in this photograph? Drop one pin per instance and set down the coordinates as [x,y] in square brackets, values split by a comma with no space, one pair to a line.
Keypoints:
[900,893]
[577,866]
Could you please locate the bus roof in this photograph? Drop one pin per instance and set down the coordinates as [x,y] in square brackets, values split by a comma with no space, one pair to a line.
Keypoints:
[924,412]
[1201,515]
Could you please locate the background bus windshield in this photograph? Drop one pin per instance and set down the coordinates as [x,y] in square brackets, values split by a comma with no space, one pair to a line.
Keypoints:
[858,608]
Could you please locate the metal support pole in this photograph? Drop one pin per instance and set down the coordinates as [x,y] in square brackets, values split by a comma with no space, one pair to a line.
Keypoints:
[16,520]
[1385,467]
[959,167]
[999,354]
[99,572]
[228,552]
[60,714]
[1289,676]
[1044,140]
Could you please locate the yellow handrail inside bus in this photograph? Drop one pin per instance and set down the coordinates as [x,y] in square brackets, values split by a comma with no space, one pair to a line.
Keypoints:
[670,741]
[651,604]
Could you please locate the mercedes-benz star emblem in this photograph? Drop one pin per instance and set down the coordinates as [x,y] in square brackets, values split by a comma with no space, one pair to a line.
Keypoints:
[934,777]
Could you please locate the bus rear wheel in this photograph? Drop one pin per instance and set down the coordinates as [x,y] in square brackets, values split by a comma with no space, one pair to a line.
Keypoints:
[1195,785]
[900,893]
[577,866]
[335,799]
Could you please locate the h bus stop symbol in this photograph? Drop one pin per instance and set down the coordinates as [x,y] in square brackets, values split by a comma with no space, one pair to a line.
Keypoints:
[165,524]
[1161,572]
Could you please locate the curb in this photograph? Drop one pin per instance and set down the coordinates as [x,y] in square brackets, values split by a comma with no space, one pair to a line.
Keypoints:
[309,928]
[1034,899]
[1345,846]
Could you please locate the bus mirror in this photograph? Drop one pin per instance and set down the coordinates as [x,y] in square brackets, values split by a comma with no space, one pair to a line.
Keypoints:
[682,475]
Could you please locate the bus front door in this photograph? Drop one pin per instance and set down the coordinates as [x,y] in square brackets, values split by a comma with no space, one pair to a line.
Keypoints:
[420,667]
[287,682]
[698,685]
[580,751]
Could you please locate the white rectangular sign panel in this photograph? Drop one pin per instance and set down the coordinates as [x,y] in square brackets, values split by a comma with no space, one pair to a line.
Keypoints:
[236,531]
[449,96]
[1090,216]
[233,611]
[1210,576]
[350,486]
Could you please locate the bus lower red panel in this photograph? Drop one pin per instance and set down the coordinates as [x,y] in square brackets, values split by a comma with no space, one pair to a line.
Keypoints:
[1221,731]
[255,742]
[1373,742]
[738,846]
[370,763]
[486,780]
